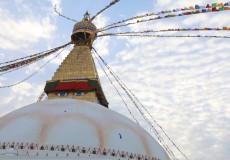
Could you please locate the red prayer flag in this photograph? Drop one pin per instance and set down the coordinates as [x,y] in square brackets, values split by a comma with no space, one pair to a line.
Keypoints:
[214,9]
[208,6]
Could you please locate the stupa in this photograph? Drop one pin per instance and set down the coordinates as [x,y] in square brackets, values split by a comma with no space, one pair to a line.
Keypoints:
[75,122]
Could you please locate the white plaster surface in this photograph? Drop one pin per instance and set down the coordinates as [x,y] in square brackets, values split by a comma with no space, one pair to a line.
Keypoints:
[74,122]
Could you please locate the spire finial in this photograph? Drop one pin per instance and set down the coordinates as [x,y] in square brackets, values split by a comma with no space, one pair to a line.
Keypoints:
[86,16]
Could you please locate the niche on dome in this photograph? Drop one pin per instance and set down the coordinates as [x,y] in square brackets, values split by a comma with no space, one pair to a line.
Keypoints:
[104,152]
[52,148]
[83,150]
[3,146]
[42,147]
[62,149]
[21,146]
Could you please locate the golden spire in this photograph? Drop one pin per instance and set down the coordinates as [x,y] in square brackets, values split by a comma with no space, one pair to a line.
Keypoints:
[86,16]
[77,76]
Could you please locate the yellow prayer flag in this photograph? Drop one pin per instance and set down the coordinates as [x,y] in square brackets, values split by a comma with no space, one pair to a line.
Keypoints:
[191,8]
[220,4]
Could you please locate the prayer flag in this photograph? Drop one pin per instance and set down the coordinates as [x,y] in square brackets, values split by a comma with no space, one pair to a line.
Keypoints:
[208,6]
[227,4]
[214,9]
[214,5]
[197,7]
[203,10]
[220,4]
[186,8]
[221,8]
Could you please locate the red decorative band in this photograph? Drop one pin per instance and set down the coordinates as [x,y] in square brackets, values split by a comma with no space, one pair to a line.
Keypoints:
[78,85]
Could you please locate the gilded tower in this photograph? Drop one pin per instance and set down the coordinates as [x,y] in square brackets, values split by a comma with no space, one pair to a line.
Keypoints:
[77,76]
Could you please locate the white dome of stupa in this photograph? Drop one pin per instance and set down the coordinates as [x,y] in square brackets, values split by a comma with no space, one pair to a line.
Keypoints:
[74,129]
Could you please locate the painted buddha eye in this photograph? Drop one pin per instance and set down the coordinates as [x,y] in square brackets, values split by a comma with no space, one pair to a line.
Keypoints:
[79,93]
[62,94]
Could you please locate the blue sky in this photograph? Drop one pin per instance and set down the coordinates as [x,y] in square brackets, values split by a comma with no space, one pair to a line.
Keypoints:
[184,82]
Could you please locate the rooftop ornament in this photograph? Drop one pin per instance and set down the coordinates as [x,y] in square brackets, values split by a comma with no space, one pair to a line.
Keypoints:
[84,32]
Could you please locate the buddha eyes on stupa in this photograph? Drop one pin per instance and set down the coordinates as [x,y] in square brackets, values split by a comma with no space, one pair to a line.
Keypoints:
[79,93]
[63,94]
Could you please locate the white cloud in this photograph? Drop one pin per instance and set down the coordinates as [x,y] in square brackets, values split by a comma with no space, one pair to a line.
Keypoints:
[183,82]
[22,89]
[101,21]
[61,57]
[34,68]
[20,95]
[2,79]
[23,31]
[208,20]
[102,43]
[2,55]
[55,60]
[56,3]
[19,30]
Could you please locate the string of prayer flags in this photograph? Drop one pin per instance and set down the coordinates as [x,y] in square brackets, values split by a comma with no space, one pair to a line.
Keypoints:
[41,96]
[198,11]
[188,36]
[169,30]
[30,76]
[24,62]
[29,60]
[169,13]
[14,69]
[33,55]
[106,7]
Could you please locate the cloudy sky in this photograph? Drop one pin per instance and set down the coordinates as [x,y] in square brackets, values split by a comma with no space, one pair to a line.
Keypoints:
[183,82]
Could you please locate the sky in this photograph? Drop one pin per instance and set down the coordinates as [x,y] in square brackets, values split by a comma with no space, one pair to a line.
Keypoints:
[183,82]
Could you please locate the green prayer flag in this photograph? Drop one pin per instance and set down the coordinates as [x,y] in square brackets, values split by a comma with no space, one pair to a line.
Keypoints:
[221,8]
[214,5]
